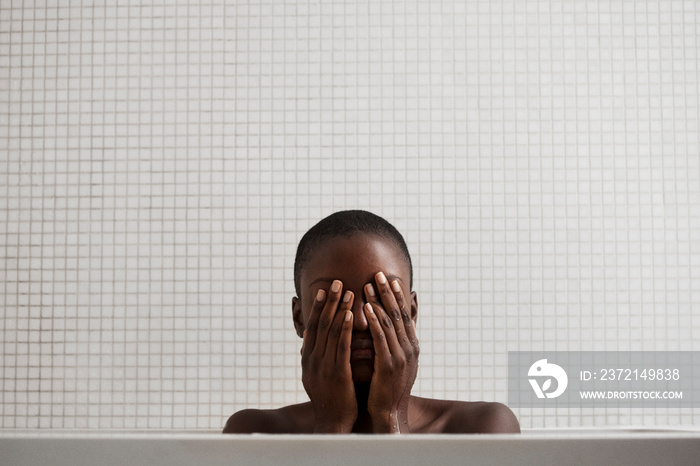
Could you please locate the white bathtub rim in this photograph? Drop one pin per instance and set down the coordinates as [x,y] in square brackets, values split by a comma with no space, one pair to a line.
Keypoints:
[540,433]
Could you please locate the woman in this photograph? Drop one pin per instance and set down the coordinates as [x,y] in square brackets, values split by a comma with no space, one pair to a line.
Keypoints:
[356,314]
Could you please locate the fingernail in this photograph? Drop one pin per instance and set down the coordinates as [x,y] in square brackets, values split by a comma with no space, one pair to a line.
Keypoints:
[348,316]
[369,308]
[395,286]
[347,296]
[381,278]
[320,295]
[335,287]
[370,290]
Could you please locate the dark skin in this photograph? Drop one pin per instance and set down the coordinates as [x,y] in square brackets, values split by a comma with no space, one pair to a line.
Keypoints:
[356,315]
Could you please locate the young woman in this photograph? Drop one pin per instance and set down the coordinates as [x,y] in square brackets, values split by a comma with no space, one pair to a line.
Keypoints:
[356,312]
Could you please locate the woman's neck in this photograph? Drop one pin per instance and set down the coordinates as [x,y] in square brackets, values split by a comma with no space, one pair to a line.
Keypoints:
[363,424]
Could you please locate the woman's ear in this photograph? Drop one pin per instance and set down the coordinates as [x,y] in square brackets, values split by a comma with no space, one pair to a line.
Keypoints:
[298,317]
[414,307]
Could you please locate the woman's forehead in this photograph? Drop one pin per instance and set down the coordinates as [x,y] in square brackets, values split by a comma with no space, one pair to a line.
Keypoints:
[355,254]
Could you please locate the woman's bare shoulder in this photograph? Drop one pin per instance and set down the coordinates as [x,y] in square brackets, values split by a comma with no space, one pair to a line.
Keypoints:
[468,417]
[293,419]
[482,417]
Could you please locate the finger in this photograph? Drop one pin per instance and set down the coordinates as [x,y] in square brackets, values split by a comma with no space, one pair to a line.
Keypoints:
[345,341]
[387,297]
[386,311]
[338,326]
[327,315]
[406,332]
[312,324]
[381,348]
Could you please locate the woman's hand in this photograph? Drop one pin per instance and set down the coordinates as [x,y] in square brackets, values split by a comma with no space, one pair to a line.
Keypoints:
[396,355]
[325,361]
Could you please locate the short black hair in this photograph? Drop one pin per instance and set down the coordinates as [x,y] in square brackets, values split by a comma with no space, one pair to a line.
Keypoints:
[346,223]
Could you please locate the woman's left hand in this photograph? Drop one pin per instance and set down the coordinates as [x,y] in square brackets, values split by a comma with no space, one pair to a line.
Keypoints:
[396,352]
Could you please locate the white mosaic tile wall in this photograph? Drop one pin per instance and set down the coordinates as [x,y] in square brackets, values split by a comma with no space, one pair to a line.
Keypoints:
[159,163]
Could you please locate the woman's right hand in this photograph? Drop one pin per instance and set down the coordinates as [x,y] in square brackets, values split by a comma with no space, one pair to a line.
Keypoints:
[325,361]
